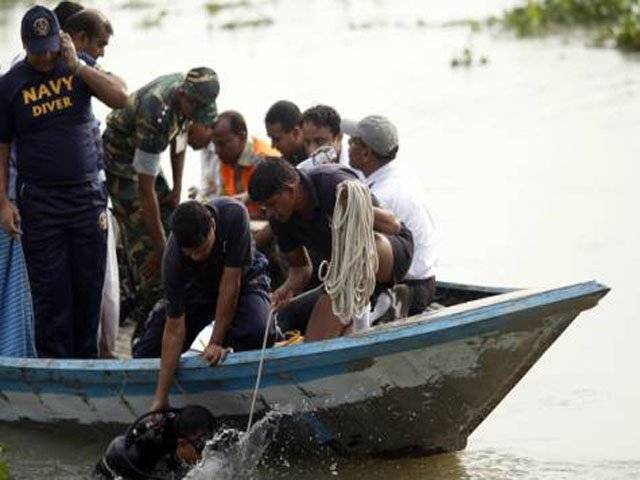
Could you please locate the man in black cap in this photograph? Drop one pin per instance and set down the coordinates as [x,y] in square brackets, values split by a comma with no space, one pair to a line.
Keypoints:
[45,108]
[156,116]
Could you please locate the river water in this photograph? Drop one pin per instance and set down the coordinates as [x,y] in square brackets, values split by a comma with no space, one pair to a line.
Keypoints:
[529,164]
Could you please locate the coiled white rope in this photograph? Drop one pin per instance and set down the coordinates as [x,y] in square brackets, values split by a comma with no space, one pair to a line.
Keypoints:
[350,276]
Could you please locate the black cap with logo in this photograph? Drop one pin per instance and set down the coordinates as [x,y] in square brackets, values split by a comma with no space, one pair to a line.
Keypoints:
[40,30]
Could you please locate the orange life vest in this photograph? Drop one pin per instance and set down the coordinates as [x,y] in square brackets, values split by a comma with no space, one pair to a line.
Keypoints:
[235,178]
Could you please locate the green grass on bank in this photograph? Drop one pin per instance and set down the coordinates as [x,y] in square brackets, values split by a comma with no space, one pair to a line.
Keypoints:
[4,466]
[616,21]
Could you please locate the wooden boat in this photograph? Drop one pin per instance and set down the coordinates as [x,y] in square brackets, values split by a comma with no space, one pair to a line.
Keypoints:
[419,385]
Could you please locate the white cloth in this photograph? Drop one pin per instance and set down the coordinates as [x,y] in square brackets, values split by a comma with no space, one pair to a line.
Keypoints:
[344,152]
[210,181]
[110,309]
[343,158]
[397,193]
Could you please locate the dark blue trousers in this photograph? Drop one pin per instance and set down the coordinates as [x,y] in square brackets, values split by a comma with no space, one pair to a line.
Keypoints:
[65,246]
[245,333]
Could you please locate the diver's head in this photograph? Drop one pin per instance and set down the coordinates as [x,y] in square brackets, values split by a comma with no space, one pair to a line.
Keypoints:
[194,425]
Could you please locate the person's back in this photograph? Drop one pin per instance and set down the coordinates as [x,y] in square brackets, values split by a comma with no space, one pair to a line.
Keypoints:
[398,193]
[127,129]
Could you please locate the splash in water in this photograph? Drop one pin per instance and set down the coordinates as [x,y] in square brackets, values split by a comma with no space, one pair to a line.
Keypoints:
[233,454]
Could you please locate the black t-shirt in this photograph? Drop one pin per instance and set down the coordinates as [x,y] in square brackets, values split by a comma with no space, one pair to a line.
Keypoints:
[186,281]
[49,117]
[320,183]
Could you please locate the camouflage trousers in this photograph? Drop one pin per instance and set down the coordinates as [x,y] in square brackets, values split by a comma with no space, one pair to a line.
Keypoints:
[137,294]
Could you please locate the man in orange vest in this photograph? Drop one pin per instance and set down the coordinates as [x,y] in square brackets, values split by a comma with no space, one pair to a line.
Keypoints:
[229,162]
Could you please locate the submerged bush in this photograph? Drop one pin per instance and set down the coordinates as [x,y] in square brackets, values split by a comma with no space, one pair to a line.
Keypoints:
[4,466]
[619,19]
[627,34]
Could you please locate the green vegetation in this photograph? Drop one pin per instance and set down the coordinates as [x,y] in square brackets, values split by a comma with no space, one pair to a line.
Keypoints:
[613,20]
[213,8]
[136,5]
[236,24]
[4,465]
[153,20]
[474,25]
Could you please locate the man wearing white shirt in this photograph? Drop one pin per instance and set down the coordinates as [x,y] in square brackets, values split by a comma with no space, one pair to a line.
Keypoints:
[373,147]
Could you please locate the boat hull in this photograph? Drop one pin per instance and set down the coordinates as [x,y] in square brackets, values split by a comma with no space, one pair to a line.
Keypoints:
[418,386]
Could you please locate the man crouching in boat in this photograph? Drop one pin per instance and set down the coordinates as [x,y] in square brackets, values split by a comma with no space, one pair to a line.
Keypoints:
[300,206]
[210,270]
[158,445]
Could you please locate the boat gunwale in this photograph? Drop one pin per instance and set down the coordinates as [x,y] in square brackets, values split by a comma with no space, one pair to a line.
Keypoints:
[279,359]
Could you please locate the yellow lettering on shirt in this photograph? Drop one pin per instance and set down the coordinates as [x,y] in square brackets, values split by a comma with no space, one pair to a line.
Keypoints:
[68,82]
[56,85]
[51,106]
[50,96]
[43,91]
[29,95]
[48,89]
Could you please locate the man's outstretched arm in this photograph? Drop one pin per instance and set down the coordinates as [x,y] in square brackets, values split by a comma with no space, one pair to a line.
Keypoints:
[172,342]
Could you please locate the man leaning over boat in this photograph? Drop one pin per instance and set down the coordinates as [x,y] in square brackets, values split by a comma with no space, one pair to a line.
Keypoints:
[300,206]
[210,271]
[155,117]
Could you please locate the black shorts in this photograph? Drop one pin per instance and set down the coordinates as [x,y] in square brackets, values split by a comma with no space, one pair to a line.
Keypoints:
[402,246]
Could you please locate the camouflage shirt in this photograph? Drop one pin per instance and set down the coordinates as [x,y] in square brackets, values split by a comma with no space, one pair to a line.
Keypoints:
[148,121]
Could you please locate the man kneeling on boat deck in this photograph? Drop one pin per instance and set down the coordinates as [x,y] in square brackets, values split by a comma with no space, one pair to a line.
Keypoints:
[300,206]
[158,445]
[210,271]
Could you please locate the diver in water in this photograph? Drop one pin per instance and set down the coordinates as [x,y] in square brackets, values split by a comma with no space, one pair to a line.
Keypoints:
[158,445]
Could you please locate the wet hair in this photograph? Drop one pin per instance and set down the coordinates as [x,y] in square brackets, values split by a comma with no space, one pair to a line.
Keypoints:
[89,21]
[190,224]
[64,10]
[237,125]
[270,176]
[285,113]
[323,116]
[192,420]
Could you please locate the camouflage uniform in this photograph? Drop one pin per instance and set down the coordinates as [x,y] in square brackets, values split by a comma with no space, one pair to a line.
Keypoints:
[148,122]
